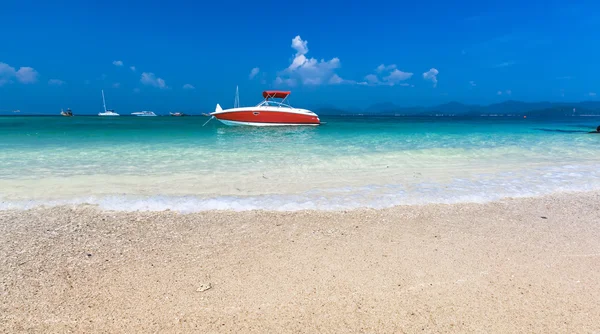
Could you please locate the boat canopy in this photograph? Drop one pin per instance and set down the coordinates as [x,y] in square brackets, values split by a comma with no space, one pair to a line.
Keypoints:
[278,94]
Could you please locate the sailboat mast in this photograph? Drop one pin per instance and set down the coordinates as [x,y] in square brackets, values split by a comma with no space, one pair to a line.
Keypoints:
[236,103]
[103,101]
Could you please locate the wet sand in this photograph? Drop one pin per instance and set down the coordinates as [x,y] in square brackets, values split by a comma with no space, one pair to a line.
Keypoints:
[518,265]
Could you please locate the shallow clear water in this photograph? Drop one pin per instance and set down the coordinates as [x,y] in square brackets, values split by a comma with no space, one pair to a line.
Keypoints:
[130,163]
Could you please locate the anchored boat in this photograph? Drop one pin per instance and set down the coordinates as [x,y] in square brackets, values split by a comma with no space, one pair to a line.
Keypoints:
[67,113]
[106,112]
[267,113]
[144,113]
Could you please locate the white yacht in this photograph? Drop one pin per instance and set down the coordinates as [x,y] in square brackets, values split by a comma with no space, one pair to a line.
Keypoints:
[143,113]
[106,112]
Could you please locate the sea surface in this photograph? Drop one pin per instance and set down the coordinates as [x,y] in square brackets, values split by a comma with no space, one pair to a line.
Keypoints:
[158,163]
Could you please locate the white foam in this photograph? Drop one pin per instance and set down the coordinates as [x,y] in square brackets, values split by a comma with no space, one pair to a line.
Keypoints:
[483,188]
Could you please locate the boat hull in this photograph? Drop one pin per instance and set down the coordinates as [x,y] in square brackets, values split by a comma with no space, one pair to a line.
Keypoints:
[267,118]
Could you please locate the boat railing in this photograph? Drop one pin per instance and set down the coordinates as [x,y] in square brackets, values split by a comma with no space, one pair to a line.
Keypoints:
[274,104]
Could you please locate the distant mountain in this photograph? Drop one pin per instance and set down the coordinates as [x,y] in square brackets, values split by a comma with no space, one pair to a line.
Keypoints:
[506,108]
[382,108]
[453,108]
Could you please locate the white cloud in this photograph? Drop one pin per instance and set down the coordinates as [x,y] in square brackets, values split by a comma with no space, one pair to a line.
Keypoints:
[592,94]
[6,73]
[299,45]
[499,92]
[472,83]
[118,63]
[309,71]
[506,92]
[188,86]
[149,79]
[56,82]
[432,76]
[287,82]
[393,77]
[136,90]
[116,85]
[384,68]
[372,79]
[27,75]
[132,68]
[337,80]
[254,72]
[396,76]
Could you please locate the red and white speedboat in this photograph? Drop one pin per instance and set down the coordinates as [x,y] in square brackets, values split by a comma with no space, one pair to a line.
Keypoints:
[267,113]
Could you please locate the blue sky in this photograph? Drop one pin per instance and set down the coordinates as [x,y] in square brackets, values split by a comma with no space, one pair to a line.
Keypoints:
[151,55]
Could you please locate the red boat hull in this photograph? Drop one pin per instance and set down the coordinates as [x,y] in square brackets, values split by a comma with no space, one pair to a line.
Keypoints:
[268,118]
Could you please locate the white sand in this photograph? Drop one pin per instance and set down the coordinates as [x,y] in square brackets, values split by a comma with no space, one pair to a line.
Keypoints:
[497,267]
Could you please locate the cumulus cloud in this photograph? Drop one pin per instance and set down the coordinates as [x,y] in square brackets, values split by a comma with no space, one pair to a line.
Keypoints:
[337,80]
[506,92]
[299,45]
[254,72]
[118,63]
[472,83]
[149,79]
[384,68]
[287,82]
[432,76]
[397,76]
[391,76]
[309,71]
[6,73]
[372,79]
[188,86]
[592,94]
[116,85]
[25,75]
[132,68]
[56,82]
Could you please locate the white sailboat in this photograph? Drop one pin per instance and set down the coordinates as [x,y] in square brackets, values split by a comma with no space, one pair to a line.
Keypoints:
[106,112]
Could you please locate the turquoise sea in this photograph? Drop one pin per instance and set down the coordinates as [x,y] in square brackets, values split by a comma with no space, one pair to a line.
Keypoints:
[157,163]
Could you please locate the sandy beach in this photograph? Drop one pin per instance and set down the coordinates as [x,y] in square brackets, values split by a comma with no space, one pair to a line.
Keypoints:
[517,265]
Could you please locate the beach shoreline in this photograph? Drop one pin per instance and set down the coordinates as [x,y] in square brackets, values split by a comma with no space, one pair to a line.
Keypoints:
[514,265]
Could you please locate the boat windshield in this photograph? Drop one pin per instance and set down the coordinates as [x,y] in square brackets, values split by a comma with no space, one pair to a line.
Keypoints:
[273,104]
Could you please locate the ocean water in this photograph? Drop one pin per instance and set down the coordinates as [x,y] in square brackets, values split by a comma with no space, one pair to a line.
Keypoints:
[157,163]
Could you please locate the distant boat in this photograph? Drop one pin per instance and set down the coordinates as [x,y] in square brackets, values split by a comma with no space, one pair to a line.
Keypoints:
[143,113]
[177,114]
[67,113]
[106,112]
